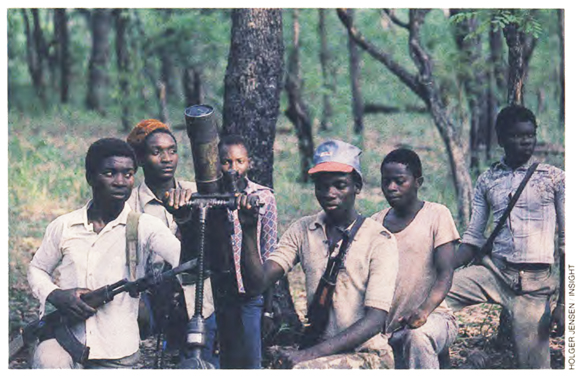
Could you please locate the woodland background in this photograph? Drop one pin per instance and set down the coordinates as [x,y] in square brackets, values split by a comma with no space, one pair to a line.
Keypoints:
[429,79]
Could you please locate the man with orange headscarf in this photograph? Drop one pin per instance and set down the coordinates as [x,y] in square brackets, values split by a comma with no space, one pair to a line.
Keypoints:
[156,150]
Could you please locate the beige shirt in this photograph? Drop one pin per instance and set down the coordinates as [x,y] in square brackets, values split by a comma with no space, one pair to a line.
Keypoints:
[432,227]
[80,258]
[143,200]
[367,280]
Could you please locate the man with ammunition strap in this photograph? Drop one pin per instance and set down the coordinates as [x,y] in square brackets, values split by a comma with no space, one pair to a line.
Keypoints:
[365,284]
[518,269]
[87,248]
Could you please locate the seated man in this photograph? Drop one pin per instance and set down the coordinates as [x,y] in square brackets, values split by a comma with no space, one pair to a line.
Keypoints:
[87,248]
[422,324]
[352,337]
[156,150]
[520,271]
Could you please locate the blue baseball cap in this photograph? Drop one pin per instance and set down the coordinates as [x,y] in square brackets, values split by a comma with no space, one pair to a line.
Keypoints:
[336,156]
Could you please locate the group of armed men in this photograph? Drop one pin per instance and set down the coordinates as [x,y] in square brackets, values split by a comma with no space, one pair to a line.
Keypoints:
[405,272]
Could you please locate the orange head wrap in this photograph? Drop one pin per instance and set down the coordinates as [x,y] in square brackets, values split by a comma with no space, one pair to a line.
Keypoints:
[142,130]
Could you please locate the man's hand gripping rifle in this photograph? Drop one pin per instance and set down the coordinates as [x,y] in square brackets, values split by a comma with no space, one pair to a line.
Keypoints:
[56,325]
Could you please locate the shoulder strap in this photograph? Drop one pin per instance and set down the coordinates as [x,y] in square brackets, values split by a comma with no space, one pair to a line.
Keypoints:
[132,236]
[347,239]
[489,243]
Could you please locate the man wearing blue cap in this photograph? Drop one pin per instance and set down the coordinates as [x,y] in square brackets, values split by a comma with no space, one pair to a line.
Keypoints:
[364,288]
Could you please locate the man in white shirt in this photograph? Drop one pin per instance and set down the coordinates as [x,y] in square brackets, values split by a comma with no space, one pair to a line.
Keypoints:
[85,250]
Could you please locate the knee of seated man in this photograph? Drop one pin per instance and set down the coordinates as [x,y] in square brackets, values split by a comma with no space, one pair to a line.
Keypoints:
[50,355]
[414,337]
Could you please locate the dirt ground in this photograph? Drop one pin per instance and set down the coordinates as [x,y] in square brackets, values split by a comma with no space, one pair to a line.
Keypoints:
[477,334]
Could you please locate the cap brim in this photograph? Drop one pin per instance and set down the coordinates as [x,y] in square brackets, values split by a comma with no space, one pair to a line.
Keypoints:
[331,166]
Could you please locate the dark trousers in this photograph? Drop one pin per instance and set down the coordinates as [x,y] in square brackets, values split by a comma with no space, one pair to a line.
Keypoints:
[238,318]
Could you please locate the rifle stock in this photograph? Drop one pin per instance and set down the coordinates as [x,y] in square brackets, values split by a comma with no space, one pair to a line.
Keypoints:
[55,322]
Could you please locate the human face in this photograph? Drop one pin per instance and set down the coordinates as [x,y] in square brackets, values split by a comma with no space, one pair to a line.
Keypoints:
[160,157]
[399,185]
[235,157]
[113,181]
[336,192]
[518,141]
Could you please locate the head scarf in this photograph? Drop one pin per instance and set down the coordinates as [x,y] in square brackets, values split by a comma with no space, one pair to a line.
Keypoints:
[140,132]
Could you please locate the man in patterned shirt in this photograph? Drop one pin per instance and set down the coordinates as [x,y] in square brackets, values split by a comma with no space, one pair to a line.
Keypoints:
[240,314]
[520,274]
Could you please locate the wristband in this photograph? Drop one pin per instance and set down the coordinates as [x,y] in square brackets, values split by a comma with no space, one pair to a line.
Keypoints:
[268,314]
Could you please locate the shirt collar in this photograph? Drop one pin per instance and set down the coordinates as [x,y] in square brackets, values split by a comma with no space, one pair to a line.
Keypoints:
[251,187]
[319,221]
[146,195]
[502,164]
[81,216]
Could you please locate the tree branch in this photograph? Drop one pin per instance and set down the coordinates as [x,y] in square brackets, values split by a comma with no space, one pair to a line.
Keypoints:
[405,76]
[397,21]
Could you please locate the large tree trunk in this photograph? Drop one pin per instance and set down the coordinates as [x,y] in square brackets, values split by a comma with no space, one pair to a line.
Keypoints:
[423,85]
[252,85]
[325,58]
[562,66]
[33,60]
[297,110]
[123,64]
[251,104]
[62,51]
[475,80]
[354,65]
[98,78]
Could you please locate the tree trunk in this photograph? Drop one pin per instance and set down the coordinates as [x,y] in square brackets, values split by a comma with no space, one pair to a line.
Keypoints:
[474,78]
[45,60]
[252,85]
[162,101]
[496,55]
[562,66]
[354,65]
[423,85]
[98,78]
[193,86]
[251,104]
[297,110]
[167,58]
[325,58]
[62,51]
[149,71]
[33,60]
[515,84]
[123,64]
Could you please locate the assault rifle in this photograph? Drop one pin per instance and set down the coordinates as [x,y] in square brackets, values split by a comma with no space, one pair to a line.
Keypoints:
[319,309]
[56,325]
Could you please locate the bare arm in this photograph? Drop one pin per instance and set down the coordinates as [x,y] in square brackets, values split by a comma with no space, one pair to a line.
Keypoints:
[465,253]
[361,331]
[443,259]
[257,276]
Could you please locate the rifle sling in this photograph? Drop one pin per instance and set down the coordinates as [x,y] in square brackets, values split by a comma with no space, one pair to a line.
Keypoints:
[62,333]
[77,350]
[132,237]
[489,242]
[347,239]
